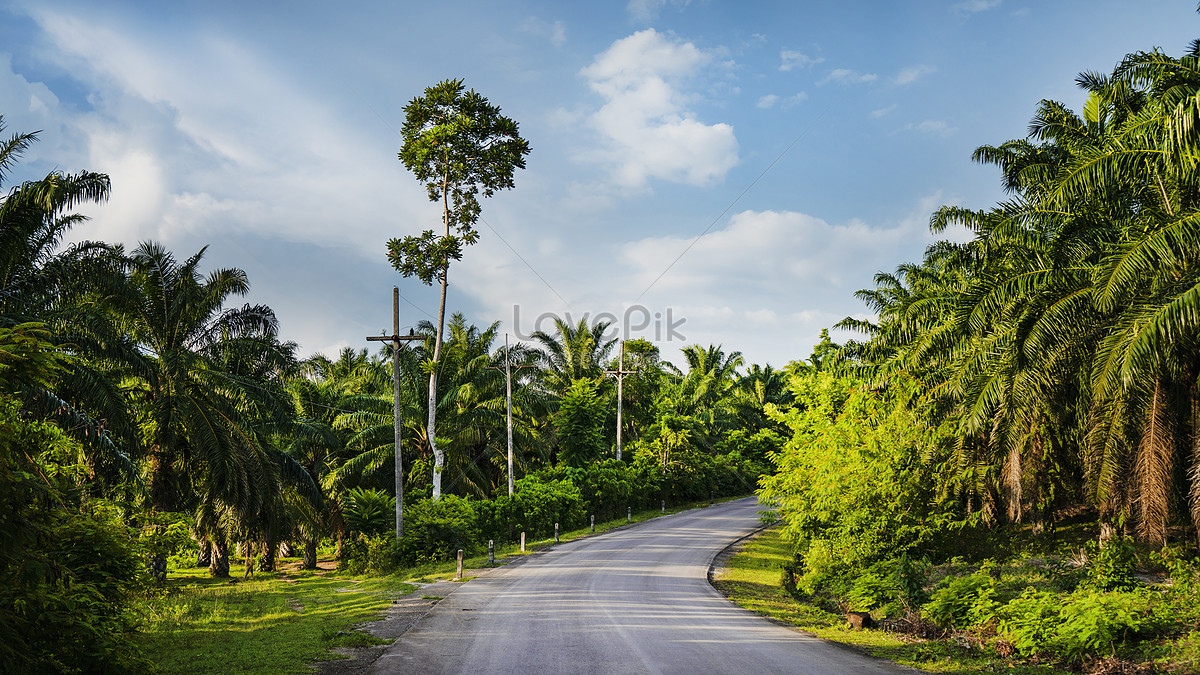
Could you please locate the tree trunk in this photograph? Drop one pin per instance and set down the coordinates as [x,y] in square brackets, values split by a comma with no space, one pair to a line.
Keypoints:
[249,561]
[310,553]
[439,458]
[204,556]
[269,550]
[156,565]
[1193,474]
[219,567]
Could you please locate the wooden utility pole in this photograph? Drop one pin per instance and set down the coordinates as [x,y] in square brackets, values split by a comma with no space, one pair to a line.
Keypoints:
[620,372]
[508,398]
[395,338]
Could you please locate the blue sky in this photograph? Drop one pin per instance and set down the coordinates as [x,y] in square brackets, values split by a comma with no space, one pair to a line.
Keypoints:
[810,141]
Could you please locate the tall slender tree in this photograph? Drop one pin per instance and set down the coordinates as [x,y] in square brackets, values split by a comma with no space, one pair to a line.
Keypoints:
[459,146]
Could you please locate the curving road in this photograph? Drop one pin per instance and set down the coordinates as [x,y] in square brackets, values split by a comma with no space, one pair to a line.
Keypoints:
[634,600]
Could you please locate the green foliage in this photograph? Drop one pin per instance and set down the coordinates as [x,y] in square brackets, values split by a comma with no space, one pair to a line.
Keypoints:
[1111,565]
[853,485]
[434,530]
[580,422]
[64,573]
[458,145]
[1087,622]
[370,511]
[538,505]
[606,487]
[961,602]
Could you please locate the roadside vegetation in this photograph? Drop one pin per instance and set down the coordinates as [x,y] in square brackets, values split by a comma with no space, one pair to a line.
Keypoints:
[1007,463]
[153,425]
[1003,469]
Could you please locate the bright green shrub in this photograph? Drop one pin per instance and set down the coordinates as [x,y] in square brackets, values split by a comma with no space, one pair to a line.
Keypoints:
[959,602]
[1086,622]
[371,554]
[538,505]
[64,573]
[854,481]
[369,511]
[1111,566]
[436,530]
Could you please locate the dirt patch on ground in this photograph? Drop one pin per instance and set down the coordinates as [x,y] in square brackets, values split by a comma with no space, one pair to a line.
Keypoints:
[404,613]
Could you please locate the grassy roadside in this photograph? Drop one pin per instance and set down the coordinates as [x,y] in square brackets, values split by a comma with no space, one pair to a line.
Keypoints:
[751,579]
[283,622]
[274,623]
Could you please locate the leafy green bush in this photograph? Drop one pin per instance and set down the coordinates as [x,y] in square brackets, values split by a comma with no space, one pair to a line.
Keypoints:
[875,588]
[435,530]
[64,573]
[1086,622]
[855,483]
[1111,566]
[959,602]
[538,505]
[369,511]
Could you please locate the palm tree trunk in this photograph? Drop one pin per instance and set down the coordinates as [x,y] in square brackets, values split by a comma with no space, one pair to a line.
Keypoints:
[310,553]
[1155,467]
[204,556]
[1194,464]
[219,567]
[269,549]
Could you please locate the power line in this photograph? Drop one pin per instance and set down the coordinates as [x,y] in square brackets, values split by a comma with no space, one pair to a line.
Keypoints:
[535,272]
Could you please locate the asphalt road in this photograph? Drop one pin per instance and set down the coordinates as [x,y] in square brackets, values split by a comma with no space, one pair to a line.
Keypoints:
[634,600]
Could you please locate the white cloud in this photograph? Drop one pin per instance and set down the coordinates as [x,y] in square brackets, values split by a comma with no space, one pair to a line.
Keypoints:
[555,32]
[974,6]
[647,129]
[883,111]
[648,10]
[912,74]
[771,100]
[790,59]
[847,76]
[933,128]
[189,128]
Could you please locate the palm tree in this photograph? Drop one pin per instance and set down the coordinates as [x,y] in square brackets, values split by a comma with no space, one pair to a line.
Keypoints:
[572,353]
[55,287]
[471,405]
[206,384]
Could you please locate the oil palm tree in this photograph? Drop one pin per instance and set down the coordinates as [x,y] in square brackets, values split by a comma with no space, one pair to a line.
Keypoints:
[205,383]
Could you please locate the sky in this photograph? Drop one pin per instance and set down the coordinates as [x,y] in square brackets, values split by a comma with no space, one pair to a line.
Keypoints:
[702,172]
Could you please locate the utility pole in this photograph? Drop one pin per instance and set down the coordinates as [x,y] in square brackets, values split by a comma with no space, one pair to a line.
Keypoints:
[620,372]
[508,398]
[395,338]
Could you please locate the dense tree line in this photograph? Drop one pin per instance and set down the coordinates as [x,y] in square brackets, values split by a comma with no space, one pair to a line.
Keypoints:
[148,420]
[1043,373]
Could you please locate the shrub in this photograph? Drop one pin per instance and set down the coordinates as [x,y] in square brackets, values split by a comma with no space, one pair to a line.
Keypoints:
[371,554]
[1111,566]
[370,512]
[435,530]
[538,505]
[959,602]
[1088,622]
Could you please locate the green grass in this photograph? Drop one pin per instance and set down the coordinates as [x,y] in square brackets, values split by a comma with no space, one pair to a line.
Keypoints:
[273,623]
[752,580]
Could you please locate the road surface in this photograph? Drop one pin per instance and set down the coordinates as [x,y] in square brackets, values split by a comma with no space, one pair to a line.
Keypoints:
[634,600]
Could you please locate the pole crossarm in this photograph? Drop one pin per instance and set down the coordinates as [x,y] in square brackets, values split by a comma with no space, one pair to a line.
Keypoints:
[620,372]
[508,368]
[396,338]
